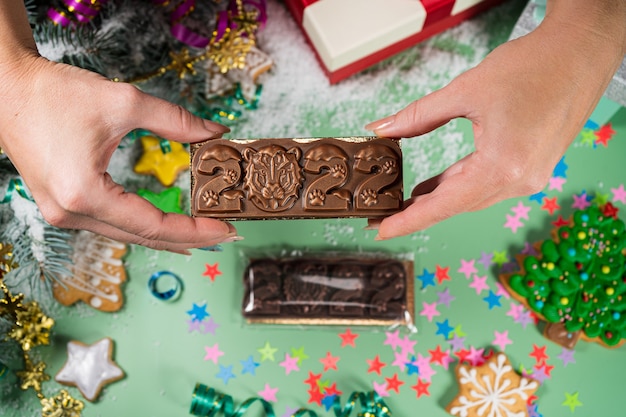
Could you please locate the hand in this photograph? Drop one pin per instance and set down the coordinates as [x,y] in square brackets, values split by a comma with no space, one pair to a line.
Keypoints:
[60,125]
[527,101]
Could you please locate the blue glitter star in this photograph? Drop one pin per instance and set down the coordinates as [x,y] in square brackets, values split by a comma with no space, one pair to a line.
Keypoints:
[493,300]
[590,124]
[560,168]
[249,366]
[427,278]
[225,373]
[443,328]
[328,401]
[198,313]
[538,197]
[411,367]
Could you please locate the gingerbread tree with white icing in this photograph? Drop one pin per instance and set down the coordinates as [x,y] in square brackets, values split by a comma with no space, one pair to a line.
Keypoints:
[577,282]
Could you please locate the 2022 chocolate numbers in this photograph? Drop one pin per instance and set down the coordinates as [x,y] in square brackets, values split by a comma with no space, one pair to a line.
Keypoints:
[296,178]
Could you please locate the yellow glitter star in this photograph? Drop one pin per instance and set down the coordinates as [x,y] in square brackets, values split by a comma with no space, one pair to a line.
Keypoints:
[231,50]
[62,405]
[10,304]
[164,166]
[182,63]
[6,259]
[33,375]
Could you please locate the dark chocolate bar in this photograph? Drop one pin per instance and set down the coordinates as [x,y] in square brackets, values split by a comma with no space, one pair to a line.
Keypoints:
[333,290]
[296,178]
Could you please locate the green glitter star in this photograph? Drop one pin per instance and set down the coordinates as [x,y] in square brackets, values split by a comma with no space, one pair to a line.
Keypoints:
[572,401]
[587,137]
[167,200]
[601,199]
[299,353]
[458,332]
[500,258]
[267,352]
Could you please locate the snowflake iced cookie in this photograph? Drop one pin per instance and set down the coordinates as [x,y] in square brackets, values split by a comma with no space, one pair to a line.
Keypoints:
[492,389]
[89,367]
[97,273]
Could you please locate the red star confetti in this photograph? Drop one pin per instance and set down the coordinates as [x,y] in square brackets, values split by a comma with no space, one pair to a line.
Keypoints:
[462,354]
[550,205]
[375,365]
[437,355]
[539,353]
[348,338]
[329,362]
[442,274]
[560,221]
[609,210]
[332,390]
[313,379]
[211,271]
[604,135]
[421,388]
[315,396]
[394,384]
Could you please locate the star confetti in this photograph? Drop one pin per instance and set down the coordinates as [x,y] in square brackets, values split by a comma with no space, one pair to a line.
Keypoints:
[212,353]
[421,388]
[572,401]
[429,311]
[225,373]
[290,364]
[467,268]
[442,274]
[348,338]
[164,165]
[267,352]
[375,365]
[329,362]
[211,271]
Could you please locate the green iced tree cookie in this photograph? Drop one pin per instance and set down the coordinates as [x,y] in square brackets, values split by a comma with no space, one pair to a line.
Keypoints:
[579,279]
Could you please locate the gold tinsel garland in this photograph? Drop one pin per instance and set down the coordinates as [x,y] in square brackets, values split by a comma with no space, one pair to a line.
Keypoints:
[31,328]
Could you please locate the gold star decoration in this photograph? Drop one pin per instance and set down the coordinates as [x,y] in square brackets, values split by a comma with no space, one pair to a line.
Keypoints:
[183,63]
[61,405]
[32,327]
[33,375]
[165,166]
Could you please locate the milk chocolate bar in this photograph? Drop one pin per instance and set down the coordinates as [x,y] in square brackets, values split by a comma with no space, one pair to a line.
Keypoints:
[319,290]
[296,178]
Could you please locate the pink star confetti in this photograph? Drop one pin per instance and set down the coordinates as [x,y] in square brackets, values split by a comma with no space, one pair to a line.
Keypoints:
[619,194]
[521,211]
[475,356]
[467,268]
[268,393]
[212,353]
[513,223]
[393,339]
[400,360]
[479,284]
[502,291]
[429,310]
[329,362]
[381,389]
[556,183]
[515,310]
[581,201]
[501,340]
[290,364]
[407,345]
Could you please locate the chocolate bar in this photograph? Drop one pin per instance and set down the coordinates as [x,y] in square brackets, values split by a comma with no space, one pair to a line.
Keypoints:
[296,178]
[329,290]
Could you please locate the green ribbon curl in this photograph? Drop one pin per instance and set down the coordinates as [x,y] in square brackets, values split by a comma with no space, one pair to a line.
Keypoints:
[207,402]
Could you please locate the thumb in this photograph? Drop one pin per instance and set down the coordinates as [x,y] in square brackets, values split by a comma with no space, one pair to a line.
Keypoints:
[419,117]
[174,122]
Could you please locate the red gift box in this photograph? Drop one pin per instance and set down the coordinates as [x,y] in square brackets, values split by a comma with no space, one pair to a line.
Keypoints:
[351,35]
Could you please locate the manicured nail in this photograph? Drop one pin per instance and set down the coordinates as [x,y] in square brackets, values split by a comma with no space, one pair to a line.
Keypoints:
[381,124]
[216,130]
[214,248]
[230,239]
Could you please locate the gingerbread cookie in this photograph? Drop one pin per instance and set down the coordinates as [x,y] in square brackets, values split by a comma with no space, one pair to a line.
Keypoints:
[577,281]
[89,367]
[97,273]
[491,389]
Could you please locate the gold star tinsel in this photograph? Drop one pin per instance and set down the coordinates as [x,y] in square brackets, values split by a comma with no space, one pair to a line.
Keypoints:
[10,304]
[33,375]
[230,51]
[62,405]
[32,327]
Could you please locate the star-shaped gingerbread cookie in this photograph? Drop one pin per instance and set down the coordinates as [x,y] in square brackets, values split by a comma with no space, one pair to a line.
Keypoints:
[89,367]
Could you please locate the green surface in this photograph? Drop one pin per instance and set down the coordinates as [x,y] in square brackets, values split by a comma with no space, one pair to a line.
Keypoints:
[163,361]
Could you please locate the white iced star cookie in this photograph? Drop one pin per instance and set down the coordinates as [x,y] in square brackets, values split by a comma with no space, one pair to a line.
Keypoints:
[89,367]
[493,389]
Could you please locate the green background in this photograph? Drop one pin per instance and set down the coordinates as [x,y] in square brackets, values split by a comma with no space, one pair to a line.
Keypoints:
[163,361]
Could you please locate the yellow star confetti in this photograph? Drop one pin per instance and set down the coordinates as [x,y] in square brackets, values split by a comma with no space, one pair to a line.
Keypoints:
[10,304]
[165,166]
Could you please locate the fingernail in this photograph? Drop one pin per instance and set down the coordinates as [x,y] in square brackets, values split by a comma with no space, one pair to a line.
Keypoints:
[381,124]
[230,239]
[216,130]
[180,252]
[213,248]
[372,224]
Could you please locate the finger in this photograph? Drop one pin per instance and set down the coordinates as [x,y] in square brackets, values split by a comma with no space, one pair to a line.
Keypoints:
[421,116]
[172,121]
[457,193]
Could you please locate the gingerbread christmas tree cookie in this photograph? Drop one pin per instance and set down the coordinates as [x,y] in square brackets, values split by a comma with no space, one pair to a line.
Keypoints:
[577,282]
[492,389]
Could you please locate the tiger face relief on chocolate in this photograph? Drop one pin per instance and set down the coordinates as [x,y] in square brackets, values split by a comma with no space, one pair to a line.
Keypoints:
[296,178]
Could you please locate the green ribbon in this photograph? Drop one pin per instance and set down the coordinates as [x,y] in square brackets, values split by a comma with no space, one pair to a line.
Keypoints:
[207,402]
[15,185]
